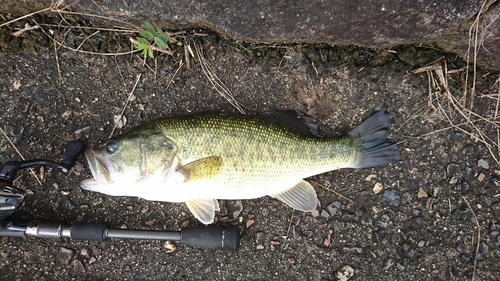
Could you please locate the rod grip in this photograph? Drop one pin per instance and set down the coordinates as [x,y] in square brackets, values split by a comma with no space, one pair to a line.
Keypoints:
[88,231]
[212,237]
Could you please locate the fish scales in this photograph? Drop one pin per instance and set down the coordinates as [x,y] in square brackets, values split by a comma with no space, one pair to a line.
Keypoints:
[256,152]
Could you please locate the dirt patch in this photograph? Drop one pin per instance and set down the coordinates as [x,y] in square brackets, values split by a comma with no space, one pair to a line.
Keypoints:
[420,225]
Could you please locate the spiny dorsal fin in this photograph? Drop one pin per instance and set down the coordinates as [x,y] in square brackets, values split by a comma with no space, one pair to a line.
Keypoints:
[295,121]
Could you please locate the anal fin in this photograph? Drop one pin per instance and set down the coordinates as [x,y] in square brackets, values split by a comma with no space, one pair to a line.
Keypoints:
[203,209]
[301,197]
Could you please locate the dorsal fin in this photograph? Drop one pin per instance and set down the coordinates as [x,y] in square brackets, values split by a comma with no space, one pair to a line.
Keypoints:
[294,120]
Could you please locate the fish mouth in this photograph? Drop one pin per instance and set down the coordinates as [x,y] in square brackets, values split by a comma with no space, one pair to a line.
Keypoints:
[102,168]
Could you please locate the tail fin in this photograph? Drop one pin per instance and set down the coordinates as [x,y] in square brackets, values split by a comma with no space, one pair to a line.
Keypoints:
[376,149]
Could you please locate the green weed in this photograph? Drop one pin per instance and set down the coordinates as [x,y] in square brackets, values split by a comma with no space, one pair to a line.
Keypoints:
[151,36]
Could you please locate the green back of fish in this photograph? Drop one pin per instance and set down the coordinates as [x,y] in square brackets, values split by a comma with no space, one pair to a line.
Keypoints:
[256,150]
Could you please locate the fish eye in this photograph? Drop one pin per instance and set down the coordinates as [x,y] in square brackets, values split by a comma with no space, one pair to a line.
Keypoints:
[111,147]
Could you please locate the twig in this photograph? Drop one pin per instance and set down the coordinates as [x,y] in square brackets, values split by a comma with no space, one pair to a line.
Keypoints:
[78,48]
[19,153]
[288,230]
[333,191]
[478,238]
[57,61]
[126,103]
[26,16]
[173,76]
[277,69]
[60,44]
[219,86]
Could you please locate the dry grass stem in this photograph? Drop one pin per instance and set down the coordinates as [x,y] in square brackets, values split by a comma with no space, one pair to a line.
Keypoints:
[277,69]
[61,44]
[442,100]
[334,192]
[473,43]
[173,76]
[20,155]
[478,238]
[126,103]
[218,85]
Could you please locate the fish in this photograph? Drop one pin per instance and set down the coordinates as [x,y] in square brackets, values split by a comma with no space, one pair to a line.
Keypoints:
[201,158]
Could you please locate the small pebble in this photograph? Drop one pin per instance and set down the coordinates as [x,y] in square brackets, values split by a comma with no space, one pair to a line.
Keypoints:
[414,224]
[120,121]
[334,207]
[402,265]
[274,245]
[483,164]
[388,240]
[421,193]
[85,253]
[468,173]
[150,222]
[239,208]
[353,250]
[370,177]
[495,180]
[259,238]
[452,170]
[366,220]
[389,263]
[325,214]
[65,255]
[384,221]
[391,198]
[169,246]
[328,239]
[296,232]
[481,177]
[84,130]
[348,217]
[249,223]
[496,210]
[457,136]
[431,250]
[345,273]
[483,251]
[14,130]
[378,234]
[78,267]
[464,258]
[377,187]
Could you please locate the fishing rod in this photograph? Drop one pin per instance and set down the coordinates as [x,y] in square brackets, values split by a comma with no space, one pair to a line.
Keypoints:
[11,198]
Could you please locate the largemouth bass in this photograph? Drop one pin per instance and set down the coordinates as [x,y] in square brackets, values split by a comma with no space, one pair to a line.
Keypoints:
[200,158]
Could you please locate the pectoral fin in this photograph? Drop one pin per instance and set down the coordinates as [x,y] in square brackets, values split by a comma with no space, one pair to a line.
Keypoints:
[301,197]
[202,169]
[203,209]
